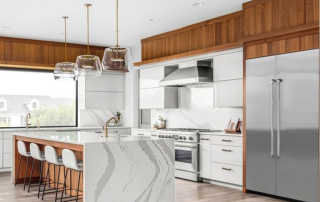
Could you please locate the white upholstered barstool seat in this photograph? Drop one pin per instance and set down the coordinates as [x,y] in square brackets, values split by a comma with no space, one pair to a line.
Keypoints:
[22,149]
[71,163]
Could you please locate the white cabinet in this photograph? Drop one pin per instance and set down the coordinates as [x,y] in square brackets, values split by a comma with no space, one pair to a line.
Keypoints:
[150,77]
[5,150]
[7,160]
[226,173]
[228,93]
[159,98]
[226,154]
[121,131]
[105,92]
[228,66]
[205,164]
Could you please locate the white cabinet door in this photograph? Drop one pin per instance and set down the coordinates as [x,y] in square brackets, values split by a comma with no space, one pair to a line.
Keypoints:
[104,100]
[228,93]
[7,135]
[1,149]
[228,66]
[7,146]
[159,98]
[7,159]
[226,173]
[140,133]
[150,77]
[227,154]
[107,82]
[205,162]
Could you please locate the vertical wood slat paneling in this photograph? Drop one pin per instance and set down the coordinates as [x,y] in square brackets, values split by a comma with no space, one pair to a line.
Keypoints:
[295,44]
[312,11]
[197,38]
[2,56]
[178,43]
[154,49]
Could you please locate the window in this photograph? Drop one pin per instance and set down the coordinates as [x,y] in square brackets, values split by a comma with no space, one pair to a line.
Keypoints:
[56,100]
[3,119]
[1,105]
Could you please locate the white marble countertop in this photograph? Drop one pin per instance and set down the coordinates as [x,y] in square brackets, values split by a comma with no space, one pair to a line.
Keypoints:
[81,137]
[58,129]
[143,129]
[221,133]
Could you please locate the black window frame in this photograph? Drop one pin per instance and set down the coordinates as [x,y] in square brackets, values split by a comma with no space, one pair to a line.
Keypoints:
[44,71]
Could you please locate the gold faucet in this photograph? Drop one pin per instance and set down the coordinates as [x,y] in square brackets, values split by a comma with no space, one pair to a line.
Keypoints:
[105,128]
[38,123]
[27,120]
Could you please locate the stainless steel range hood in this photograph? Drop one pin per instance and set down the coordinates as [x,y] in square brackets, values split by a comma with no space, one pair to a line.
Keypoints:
[189,76]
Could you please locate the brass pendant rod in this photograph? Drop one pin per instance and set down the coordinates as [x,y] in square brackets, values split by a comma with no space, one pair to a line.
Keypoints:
[88,5]
[65,37]
[117,23]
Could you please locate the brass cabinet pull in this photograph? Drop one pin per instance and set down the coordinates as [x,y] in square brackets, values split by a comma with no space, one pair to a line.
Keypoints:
[204,138]
[226,150]
[228,169]
[226,140]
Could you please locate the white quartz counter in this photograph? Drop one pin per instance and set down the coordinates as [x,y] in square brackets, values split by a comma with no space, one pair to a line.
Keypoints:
[221,133]
[80,137]
[58,129]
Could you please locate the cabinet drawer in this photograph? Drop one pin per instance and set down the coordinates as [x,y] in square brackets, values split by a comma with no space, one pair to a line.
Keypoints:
[140,133]
[7,146]
[7,160]
[7,135]
[226,173]
[227,140]
[121,131]
[226,154]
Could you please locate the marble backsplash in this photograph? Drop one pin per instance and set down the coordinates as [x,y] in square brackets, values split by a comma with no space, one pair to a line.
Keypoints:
[196,110]
[97,118]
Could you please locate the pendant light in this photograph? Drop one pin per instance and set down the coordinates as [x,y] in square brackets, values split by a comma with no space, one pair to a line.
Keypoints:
[65,70]
[117,58]
[88,65]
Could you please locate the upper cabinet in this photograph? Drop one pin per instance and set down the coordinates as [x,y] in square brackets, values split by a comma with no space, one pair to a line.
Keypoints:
[150,77]
[228,79]
[105,92]
[228,66]
[152,96]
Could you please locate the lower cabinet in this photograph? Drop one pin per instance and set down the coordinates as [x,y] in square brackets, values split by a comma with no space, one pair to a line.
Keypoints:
[205,163]
[121,131]
[221,158]
[5,150]
[141,132]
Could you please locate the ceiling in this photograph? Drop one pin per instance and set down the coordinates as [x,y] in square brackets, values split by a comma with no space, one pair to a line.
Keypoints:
[41,19]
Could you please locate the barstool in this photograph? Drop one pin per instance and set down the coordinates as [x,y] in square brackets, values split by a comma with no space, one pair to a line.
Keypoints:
[22,149]
[52,158]
[70,162]
[40,156]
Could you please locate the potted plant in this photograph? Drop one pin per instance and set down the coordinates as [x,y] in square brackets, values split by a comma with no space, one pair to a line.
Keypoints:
[162,122]
[119,118]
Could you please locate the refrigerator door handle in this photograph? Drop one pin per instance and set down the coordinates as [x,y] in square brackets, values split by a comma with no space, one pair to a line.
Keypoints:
[272,103]
[278,118]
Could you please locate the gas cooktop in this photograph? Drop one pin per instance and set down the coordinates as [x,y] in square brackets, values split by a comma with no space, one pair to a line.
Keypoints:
[184,129]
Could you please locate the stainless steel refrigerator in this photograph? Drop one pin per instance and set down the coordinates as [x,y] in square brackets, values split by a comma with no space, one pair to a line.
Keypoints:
[282,125]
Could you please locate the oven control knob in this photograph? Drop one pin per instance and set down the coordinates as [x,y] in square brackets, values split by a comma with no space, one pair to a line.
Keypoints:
[159,135]
[184,138]
[170,136]
[190,138]
[180,138]
[162,136]
[167,136]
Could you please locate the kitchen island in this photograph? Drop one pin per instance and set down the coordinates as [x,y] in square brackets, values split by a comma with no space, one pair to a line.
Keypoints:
[117,168]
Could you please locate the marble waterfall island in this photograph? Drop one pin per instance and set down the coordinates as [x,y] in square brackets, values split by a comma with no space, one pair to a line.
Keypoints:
[116,169]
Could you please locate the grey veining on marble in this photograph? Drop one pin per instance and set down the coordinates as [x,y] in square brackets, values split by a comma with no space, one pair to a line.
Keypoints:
[196,110]
[137,171]
[96,118]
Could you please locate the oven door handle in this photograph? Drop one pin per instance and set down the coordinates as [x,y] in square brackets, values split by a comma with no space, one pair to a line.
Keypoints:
[186,146]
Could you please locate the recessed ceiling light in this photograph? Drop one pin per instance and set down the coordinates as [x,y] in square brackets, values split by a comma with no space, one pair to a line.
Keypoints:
[5,27]
[198,4]
[154,20]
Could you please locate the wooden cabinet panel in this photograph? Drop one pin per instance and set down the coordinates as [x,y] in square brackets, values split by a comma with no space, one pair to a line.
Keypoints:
[178,43]
[154,49]
[312,11]
[288,13]
[211,35]
[197,39]
[294,44]
[2,51]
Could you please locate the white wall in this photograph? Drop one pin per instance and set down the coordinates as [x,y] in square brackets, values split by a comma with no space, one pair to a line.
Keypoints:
[196,110]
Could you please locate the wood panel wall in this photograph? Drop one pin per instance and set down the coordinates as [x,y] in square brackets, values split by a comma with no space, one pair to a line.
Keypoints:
[39,54]
[198,38]
[259,19]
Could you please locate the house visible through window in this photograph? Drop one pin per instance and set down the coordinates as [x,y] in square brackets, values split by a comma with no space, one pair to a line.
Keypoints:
[49,101]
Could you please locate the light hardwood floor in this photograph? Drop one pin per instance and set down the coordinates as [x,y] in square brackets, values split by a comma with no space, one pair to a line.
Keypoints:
[186,191]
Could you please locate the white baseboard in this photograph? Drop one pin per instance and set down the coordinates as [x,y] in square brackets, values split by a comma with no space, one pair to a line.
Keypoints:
[224,184]
[5,170]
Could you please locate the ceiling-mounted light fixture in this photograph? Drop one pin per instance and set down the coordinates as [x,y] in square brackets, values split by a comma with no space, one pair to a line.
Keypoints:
[198,4]
[117,58]
[88,65]
[65,70]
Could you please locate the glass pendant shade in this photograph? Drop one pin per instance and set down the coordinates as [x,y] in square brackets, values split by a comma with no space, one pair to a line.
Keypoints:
[88,65]
[117,59]
[65,70]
